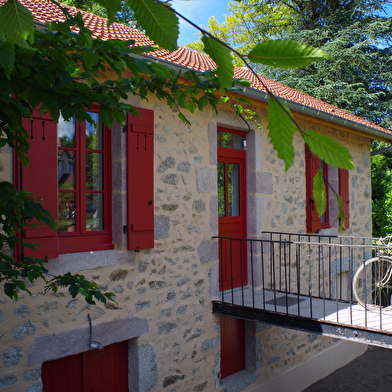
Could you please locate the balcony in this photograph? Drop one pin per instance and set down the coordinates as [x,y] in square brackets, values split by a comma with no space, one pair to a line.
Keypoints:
[305,282]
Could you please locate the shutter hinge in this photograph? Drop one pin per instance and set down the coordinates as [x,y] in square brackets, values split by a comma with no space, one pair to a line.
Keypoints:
[125,229]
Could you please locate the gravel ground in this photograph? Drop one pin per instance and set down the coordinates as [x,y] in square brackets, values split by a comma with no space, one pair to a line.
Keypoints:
[370,372]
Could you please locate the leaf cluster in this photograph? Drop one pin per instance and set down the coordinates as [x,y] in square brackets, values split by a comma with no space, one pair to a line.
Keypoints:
[62,69]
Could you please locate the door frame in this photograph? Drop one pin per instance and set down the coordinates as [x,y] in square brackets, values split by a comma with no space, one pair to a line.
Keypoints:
[232,226]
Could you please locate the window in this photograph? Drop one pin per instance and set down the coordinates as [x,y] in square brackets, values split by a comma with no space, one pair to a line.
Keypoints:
[84,184]
[335,179]
[70,169]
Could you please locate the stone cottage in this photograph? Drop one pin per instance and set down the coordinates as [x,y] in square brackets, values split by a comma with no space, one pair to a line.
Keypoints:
[148,237]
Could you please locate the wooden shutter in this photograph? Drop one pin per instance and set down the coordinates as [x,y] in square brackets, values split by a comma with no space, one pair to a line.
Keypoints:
[86,372]
[313,223]
[140,177]
[64,374]
[108,372]
[345,195]
[40,177]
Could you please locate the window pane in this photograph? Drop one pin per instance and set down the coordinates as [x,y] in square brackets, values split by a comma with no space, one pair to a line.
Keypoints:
[66,132]
[234,189]
[226,139]
[94,171]
[66,169]
[238,143]
[221,189]
[94,211]
[94,133]
[67,212]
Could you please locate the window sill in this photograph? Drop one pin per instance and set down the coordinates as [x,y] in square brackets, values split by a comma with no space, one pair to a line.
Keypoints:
[76,262]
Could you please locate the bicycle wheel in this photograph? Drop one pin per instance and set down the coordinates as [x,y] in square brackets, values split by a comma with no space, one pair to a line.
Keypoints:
[372,285]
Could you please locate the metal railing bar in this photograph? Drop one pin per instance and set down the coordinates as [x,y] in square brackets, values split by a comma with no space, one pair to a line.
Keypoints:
[252,274]
[273,274]
[310,270]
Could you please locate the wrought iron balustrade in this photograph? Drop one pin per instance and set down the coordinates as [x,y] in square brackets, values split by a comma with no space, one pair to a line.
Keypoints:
[303,275]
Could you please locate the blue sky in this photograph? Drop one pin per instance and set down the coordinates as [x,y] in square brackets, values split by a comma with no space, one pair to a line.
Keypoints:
[198,11]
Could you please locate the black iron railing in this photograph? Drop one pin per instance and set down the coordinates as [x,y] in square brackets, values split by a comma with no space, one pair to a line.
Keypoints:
[304,275]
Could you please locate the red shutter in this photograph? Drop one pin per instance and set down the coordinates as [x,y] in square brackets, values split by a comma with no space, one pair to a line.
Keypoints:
[40,177]
[108,372]
[345,195]
[140,155]
[86,372]
[64,374]
[313,224]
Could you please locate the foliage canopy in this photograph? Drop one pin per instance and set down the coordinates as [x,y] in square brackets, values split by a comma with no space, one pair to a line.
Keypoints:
[358,78]
[60,71]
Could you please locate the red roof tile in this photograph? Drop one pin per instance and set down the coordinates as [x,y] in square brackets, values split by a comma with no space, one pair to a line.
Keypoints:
[44,11]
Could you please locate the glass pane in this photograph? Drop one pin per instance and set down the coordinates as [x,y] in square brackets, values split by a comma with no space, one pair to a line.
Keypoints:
[221,189]
[234,189]
[94,171]
[238,144]
[66,133]
[94,211]
[66,169]
[218,139]
[94,133]
[67,212]
[226,139]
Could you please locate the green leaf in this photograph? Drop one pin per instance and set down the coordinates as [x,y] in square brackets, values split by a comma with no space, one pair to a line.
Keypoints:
[222,57]
[319,193]
[106,116]
[160,70]
[281,130]
[202,103]
[243,100]
[243,82]
[7,58]
[17,23]
[285,53]
[158,21]
[183,118]
[90,59]
[10,290]
[112,7]
[328,150]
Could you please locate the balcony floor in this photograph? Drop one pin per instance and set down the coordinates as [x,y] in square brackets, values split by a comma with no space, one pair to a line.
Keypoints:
[333,318]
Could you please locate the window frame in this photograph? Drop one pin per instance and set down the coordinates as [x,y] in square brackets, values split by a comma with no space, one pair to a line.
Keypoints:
[82,239]
[134,210]
[314,223]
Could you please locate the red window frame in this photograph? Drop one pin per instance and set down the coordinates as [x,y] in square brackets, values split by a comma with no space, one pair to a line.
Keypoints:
[315,223]
[82,238]
[41,178]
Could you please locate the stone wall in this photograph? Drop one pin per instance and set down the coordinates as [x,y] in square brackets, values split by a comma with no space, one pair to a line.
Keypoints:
[164,294]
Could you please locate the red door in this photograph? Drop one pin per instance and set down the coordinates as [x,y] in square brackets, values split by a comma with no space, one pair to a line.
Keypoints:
[231,208]
[86,372]
[232,345]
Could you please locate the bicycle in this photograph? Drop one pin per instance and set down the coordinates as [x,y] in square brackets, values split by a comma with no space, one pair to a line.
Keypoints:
[372,282]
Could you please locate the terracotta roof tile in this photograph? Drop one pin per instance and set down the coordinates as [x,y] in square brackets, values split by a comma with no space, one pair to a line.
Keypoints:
[44,11]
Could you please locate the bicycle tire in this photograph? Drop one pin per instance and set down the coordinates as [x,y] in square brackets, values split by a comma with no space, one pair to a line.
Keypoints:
[367,289]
